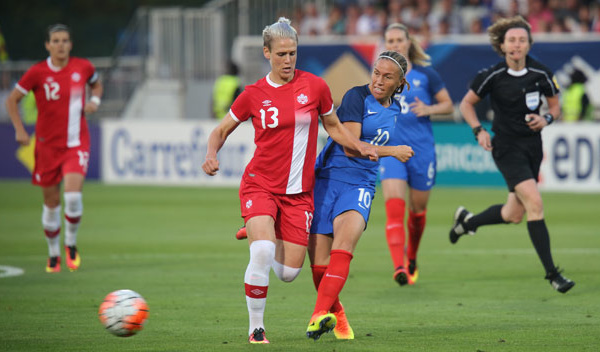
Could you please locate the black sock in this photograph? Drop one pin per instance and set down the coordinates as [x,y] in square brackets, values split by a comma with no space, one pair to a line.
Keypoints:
[538,232]
[490,216]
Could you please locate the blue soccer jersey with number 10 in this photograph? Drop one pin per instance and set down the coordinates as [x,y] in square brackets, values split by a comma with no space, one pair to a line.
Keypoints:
[378,124]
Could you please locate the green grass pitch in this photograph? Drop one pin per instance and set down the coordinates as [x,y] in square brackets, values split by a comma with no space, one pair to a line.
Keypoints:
[176,247]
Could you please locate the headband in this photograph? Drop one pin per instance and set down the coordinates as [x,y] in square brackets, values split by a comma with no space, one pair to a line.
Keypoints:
[391,58]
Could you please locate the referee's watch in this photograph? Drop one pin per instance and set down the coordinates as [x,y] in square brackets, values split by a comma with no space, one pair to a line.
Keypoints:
[549,118]
[476,130]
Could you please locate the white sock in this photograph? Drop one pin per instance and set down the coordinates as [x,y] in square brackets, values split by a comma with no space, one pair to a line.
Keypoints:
[51,225]
[256,280]
[73,211]
[285,273]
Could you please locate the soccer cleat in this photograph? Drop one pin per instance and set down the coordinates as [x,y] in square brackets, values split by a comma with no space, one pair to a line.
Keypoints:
[53,265]
[342,330]
[401,275]
[559,282]
[258,336]
[413,272]
[73,258]
[320,324]
[241,234]
[461,216]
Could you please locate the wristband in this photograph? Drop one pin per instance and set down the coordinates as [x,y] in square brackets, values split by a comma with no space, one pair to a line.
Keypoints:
[549,118]
[476,130]
[96,100]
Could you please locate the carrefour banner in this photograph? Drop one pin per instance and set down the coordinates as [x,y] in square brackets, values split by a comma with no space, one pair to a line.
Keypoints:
[571,157]
[136,152]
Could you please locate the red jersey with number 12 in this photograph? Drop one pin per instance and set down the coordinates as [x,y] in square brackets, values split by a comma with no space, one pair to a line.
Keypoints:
[286,123]
[60,98]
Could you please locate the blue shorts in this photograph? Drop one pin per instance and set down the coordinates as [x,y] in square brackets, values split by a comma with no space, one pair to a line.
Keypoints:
[333,198]
[419,172]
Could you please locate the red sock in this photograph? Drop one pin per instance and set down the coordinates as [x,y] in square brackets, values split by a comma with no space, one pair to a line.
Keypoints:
[394,229]
[318,271]
[333,281]
[416,225]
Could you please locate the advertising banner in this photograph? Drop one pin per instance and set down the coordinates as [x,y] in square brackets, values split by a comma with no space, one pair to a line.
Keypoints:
[136,152]
[571,157]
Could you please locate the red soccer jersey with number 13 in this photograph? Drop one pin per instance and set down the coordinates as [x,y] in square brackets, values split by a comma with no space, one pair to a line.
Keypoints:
[60,98]
[285,119]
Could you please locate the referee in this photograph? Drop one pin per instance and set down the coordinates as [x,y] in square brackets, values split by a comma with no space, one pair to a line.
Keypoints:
[515,86]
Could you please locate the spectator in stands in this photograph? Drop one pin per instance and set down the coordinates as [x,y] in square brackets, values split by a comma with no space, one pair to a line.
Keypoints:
[369,23]
[226,89]
[352,16]
[336,23]
[312,22]
[445,18]
[539,16]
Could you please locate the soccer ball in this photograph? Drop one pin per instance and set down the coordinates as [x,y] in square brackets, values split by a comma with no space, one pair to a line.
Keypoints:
[123,312]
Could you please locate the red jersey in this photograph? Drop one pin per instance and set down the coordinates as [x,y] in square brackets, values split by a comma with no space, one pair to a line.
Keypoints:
[285,119]
[60,98]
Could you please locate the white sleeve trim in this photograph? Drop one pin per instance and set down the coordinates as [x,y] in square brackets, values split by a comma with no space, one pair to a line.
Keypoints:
[328,112]
[234,117]
[21,89]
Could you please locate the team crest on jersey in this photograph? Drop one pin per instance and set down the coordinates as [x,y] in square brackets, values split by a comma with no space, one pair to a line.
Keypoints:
[532,100]
[416,82]
[302,99]
[75,77]
[266,103]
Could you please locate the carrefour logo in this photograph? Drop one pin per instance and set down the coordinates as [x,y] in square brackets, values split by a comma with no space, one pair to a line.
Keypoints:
[142,155]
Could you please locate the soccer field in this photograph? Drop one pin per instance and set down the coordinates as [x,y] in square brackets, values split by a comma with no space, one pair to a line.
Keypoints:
[176,247]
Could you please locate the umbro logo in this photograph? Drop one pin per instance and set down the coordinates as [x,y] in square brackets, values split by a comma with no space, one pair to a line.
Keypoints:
[249,204]
[257,292]
[266,102]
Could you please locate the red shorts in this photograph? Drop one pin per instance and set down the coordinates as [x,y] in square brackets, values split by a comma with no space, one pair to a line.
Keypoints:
[293,213]
[51,164]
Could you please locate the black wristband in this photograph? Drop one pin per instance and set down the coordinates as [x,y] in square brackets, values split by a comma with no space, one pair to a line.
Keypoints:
[549,118]
[476,130]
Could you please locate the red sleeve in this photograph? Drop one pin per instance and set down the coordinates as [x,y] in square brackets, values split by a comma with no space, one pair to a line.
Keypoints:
[28,81]
[240,109]
[325,100]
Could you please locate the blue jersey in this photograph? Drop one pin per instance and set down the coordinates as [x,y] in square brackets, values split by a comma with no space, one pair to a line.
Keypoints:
[378,123]
[411,130]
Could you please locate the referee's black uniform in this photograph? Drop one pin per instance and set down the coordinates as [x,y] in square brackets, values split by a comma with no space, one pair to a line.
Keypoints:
[517,149]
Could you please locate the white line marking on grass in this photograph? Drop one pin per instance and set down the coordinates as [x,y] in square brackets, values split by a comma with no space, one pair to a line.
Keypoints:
[518,251]
[6,271]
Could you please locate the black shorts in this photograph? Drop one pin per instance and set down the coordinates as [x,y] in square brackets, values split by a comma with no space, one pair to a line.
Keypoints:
[518,158]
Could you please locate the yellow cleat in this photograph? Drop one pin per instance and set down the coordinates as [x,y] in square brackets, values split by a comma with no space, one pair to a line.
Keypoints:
[53,265]
[320,324]
[342,330]
[73,258]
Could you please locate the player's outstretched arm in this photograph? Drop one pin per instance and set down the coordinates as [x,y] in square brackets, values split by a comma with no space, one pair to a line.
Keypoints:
[343,136]
[217,138]
[12,106]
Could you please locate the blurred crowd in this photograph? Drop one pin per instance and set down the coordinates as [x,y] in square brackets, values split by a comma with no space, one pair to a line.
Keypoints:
[443,17]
